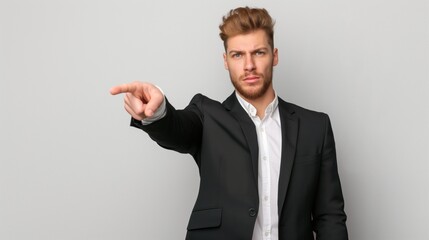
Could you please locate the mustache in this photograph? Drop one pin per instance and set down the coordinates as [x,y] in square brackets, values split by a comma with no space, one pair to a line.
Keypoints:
[252,74]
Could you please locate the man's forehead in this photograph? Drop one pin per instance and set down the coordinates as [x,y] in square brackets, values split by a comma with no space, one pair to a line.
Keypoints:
[248,41]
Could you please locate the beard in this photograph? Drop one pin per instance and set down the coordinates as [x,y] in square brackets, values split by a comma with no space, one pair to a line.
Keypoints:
[252,92]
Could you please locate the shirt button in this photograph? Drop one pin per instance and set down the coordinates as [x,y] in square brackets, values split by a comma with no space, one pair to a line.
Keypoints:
[266,198]
[264,158]
[267,233]
[252,212]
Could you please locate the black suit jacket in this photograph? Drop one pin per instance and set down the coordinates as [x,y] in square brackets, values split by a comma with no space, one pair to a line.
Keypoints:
[222,140]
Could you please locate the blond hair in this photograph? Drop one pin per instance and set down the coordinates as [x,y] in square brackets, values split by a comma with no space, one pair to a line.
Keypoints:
[244,20]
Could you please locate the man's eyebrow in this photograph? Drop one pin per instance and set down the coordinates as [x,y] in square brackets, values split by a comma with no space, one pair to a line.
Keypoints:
[253,51]
[235,51]
[259,49]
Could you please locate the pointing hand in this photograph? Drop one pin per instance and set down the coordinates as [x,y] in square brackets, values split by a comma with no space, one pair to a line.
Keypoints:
[141,99]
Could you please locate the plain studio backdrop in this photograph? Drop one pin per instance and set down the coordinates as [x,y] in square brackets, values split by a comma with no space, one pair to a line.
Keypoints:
[72,168]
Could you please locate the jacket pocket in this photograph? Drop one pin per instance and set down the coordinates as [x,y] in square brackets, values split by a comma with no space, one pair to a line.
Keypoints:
[208,218]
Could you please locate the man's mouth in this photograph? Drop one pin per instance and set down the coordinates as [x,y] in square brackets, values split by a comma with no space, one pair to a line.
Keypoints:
[251,79]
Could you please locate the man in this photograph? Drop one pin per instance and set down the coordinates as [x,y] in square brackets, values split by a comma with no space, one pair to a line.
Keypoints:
[268,168]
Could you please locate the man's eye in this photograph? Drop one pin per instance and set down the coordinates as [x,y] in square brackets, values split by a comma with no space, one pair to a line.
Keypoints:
[236,55]
[260,53]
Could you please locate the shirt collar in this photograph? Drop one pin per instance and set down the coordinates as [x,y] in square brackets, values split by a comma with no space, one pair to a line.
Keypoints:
[251,110]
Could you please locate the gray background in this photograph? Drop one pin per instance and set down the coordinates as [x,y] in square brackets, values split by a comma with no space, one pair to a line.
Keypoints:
[72,168]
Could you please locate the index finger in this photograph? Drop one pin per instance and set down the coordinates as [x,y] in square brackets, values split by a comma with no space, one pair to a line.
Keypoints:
[124,88]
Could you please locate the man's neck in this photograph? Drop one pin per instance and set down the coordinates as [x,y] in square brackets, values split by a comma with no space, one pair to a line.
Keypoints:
[262,102]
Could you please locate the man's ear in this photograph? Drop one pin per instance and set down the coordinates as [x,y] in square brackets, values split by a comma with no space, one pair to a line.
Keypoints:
[275,56]
[225,63]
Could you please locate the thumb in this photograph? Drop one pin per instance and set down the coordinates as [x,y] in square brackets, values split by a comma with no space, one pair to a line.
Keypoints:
[156,99]
[148,112]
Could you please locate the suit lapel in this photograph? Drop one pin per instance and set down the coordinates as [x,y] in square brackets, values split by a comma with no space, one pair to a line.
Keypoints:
[289,124]
[248,128]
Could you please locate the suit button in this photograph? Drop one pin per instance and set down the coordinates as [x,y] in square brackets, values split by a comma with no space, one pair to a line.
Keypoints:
[252,212]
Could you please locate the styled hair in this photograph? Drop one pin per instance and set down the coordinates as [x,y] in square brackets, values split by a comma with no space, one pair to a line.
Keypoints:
[244,20]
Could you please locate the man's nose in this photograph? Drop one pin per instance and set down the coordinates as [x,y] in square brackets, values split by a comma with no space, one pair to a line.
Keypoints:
[249,64]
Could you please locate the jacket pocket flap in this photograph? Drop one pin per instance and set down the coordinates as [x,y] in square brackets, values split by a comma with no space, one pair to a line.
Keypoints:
[205,219]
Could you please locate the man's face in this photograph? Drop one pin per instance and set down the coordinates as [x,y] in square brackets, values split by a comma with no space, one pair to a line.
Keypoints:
[250,59]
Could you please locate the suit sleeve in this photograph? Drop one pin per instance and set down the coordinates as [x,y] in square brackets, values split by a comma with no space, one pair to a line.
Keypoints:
[178,130]
[329,218]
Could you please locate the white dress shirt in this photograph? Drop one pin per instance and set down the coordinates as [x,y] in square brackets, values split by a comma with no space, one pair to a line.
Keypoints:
[269,135]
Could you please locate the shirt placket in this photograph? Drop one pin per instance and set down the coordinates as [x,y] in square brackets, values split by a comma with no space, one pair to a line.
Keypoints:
[266,182]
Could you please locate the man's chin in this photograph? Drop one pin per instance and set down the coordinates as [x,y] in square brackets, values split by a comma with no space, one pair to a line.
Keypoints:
[251,91]
[251,94]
